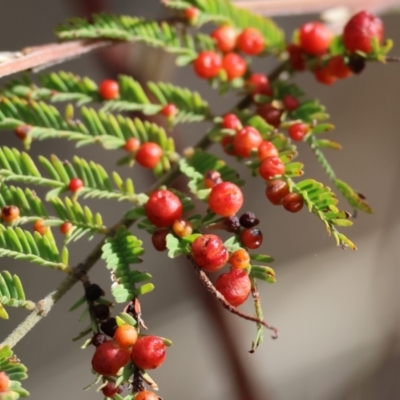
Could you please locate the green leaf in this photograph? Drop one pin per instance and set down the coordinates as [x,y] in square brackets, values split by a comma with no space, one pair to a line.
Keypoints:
[118,252]
[12,293]
[354,199]
[265,274]
[19,244]
[321,201]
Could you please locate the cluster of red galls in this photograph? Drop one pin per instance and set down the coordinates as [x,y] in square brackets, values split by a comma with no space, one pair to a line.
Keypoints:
[247,140]
[164,209]
[146,352]
[314,40]
[209,64]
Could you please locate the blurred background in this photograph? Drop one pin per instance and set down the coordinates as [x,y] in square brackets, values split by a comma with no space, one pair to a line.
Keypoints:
[337,311]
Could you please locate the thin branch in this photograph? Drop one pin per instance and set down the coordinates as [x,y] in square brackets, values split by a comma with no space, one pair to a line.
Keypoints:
[47,55]
[211,288]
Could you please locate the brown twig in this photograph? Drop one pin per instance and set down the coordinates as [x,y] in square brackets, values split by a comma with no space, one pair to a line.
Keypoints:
[211,288]
[48,54]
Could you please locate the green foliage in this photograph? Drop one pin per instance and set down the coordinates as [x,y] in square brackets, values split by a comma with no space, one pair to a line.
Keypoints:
[223,12]
[12,294]
[156,34]
[19,167]
[22,245]
[93,127]
[16,371]
[67,87]
[118,252]
[82,219]
[29,204]
[195,166]
[353,198]
[321,201]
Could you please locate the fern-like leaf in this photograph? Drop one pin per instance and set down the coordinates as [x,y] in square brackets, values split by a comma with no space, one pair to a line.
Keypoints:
[29,204]
[64,86]
[321,201]
[157,34]
[223,12]
[118,252]
[16,371]
[82,219]
[22,245]
[12,294]
[19,167]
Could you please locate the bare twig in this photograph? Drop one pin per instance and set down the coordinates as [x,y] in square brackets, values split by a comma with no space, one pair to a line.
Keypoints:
[46,55]
[211,288]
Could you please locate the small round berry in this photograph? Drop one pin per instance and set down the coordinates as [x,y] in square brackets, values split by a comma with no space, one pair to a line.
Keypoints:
[235,286]
[270,114]
[231,223]
[192,13]
[22,131]
[212,178]
[239,259]
[132,145]
[207,64]
[297,131]
[159,239]
[248,220]
[209,252]
[360,30]
[246,140]
[101,312]
[126,336]
[9,213]
[93,292]
[109,358]
[75,184]
[267,149]
[251,41]
[293,202]
[109,327]
[259,84]
[338,68]
[148,352]
[252,238]
[276,191]
[356,64]
[110,390]
[40,227]
[270,167]
[323,75]
[225,199]
[234,66]
[149,155]
[231,121]
[290,102]
[225,37]
[4,381]
[169,110]
[146,395]
[314,38]
[227,145]
[163,208]
[98,339]
[296,57]
[109,89]
[182,228]
[65,228]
